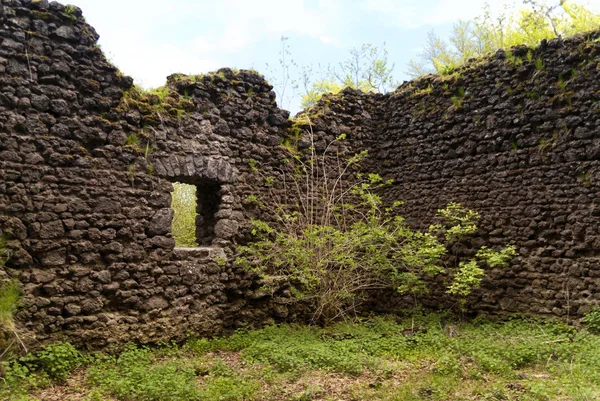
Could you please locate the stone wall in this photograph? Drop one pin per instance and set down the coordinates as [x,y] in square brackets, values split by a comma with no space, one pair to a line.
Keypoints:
[86,166]
[87,162]
[515,137]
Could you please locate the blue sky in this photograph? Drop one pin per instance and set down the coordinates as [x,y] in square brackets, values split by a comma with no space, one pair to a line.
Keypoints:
[150,39]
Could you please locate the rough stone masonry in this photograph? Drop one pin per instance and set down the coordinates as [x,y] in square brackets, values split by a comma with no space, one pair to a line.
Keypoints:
[87,163]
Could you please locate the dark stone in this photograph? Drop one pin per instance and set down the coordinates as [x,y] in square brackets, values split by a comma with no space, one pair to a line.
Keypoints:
[160,224]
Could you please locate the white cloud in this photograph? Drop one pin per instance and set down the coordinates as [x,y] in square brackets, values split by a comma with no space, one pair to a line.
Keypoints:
[225,27]
[404,12]
[329,41]
[416,13]
[151,66]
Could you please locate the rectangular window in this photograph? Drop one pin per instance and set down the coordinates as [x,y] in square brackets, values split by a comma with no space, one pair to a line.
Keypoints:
[195,209]
[183,202]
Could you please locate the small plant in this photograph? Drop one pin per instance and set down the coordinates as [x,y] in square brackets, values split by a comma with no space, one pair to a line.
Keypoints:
[148,151]
[253,165]
[57,360]
[133,140]
[253,199]
[592,320]
[539,64]
[447,69]
[458,98]
[70,11]
[220,261]
[513,60]
[533,95]
[425,91]
[269,181]
[161,93]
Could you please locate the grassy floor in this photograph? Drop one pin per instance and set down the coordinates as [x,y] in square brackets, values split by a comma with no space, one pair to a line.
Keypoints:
[383,359]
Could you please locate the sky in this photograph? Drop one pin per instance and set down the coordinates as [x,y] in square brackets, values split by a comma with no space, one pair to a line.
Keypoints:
[151,39]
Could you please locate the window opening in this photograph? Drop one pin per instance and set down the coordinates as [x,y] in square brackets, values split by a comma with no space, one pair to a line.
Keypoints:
[183,203]
[195,208]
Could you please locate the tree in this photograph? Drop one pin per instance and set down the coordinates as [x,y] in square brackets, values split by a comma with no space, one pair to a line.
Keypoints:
[282,77]
[367,69]
[487,33]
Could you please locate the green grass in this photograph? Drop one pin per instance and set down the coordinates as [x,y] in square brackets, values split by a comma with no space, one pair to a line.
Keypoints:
[419,358]
[9,298]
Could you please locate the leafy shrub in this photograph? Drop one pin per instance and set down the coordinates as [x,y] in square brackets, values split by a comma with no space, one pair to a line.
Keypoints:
[592,320]
[57,360]
[340,242]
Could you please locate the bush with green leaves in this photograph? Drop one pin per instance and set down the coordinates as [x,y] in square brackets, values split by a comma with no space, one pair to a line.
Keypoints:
[56,360]
[592,320]
[340,242]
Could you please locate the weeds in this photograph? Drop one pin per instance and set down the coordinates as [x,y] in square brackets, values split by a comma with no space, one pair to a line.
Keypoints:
[9,298]
[539,64]
[458,98]
[418,357]
[592,320]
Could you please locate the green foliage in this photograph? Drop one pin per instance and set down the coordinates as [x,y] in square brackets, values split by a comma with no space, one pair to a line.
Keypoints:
[416,357]
[470,274]
[485,34]
[56,360]
[269,181]
[9,300]
[253,199]
[592,320]
[340,242]
[133,140]
[252,164]
[220,261]
[539,64]
[136,375]
[460,221]
[183,204]
[229,386]
[161,92]
[458,98]
[317,89]
[367,68]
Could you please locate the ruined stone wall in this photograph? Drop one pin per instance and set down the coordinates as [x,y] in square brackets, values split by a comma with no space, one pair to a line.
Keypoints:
[86,166]
[87,162]
[515,137]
